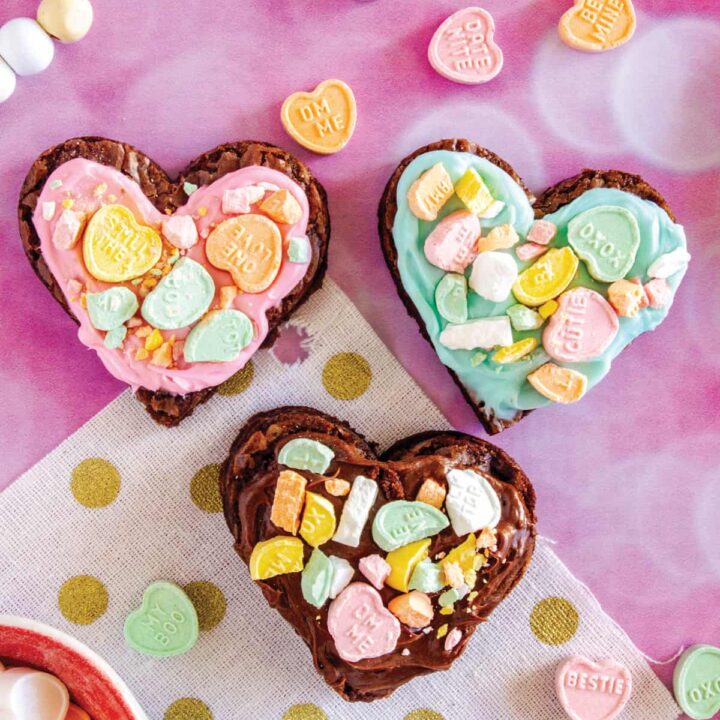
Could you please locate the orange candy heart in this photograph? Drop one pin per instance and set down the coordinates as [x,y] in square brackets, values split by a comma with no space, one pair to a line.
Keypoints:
[598,25]
[249,247]
[322,121]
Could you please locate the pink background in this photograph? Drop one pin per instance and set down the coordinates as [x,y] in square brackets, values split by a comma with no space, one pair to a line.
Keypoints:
[627,479]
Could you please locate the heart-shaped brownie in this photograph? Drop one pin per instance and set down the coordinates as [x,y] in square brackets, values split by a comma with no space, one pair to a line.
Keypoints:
[526,302]
[175,283]
[384,565]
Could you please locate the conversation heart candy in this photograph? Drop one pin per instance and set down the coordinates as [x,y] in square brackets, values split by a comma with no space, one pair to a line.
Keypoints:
[500,237]
[598,25]
[376,569]
[249,247]
[181,297]
[180,231]
[25,46]
[582,328]
[237,201]
[451,298]
[483,333]
[476,195]
[524,318]
[559,384]
[318,520]
[530,251]
[669,263]
[659,293]
[116,247]
[343,573]
[463,48]
[165,625]
[299,250]
[400,522]
[282,207]
[8,81]
[288,501]
[592,691]
[278,556]
[430,192]
[607,238]
[427,577]
[27,694]
[111,308]
[316,579]
[323,120]
[546,278]
[413,609]
[219,337]
[403,561]
[306,454]
[471,502]
[451,245]
[67,20]
[115,337]
[696,681]
[360,625]
[355,513]
[493,274]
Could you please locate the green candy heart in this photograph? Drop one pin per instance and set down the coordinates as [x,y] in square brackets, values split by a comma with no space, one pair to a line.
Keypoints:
[402,522]
[181,297]
[219,337]
[696,681]
[165,625]
[306,454]
[451,298]
[427,577]
[524,318]
[607,238]
[111,308]
[115,337]
[317,578]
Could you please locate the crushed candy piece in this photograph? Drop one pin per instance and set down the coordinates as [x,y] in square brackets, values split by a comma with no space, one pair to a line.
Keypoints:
[516,351]
[485,333]
[487,538]
[559,384]
[546,278]
[432,493]
[501,237]
[669,263]
[530,251]
[343,573]
[73,288]
[282,207]
[115,337]
[356,510]
[547,309]
[228,293]
[299,250]
[180,231]
[48,210]
[524,318]
[442,631]
[202,211]
[452,640]
[55,184]
[403,561]
[658,292]
[68,229]
[238,201]
[430,192]
[376,569]
[493,275]
[542,232]
[163,356]
[316,579]
[451,244]
[337,487]
[288,501]
[278,556]
[478,358]
[453,574]
[68,203]
[427,576]
[154,340]
[463,554]
[413,609]
[476,195]
[626,297]
[189,188]
[141,354]
[318,521]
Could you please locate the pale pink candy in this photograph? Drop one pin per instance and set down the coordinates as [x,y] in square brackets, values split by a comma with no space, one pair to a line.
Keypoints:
[592,691]
[659,293]
[180,231]
[452,639]
[240,200]
[67,229]
[529,250]
[582,327]
[74,288]
[361,626]
[451,245]
[541,232]
[375,569]
[33,695]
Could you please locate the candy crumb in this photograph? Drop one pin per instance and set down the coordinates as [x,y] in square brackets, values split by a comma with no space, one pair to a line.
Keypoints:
[142,354]
[405,652]
[67,203]
[452,639]
[55,184]
[442,631]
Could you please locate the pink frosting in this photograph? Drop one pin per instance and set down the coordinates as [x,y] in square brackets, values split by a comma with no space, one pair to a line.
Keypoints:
[80,179]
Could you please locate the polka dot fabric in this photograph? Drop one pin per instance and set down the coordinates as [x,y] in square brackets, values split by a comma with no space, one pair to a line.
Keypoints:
[83,569]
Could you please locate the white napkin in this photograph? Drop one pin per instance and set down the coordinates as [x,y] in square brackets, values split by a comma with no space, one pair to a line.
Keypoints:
[252,665]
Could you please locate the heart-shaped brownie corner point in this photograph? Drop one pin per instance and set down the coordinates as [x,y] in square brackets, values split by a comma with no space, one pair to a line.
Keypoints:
[383,564]
[175,283]
[526,301]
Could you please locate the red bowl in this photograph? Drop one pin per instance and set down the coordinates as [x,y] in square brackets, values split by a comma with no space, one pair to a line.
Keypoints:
[93,684]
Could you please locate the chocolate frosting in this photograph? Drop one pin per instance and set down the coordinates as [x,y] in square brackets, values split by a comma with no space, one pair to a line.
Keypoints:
[248,480]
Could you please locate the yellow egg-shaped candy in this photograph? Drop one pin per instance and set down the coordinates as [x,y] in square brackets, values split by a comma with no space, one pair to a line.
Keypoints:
[546,278]
[67,20]
[403,561]
[278,556]
[318,521]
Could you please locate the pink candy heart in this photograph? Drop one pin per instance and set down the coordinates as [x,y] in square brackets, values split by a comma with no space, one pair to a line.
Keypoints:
[451,245]
[463,49]
[593,691]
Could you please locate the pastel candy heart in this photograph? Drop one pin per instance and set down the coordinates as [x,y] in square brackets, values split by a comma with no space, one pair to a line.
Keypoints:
[318,521]
[306,454]
[116,247]
[546,278]
[471,502]
[376,569]
[277,556]
[322,121]
[109,309]
[598,25]
[360,625]
[607,238]
[181,297]
[451,298]
[402,522]
[316,580]
[218,337]
[403,561]
[451,245]
[559,384]
[582,327]
[27,694]
[696,681]
[592,691]
[166,625]
[463,48]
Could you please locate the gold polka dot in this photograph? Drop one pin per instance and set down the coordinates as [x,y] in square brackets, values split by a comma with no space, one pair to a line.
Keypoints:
[346,376]
[424,714]
[209,603]
[95,482]
[239,382]
[305,712]
[554,620]
[205,489]
[188,709]
[83,599]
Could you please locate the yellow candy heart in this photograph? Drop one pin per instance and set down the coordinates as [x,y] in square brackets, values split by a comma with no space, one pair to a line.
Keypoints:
[277,556]
[318,523]
[559,384]
[546,278]
[464,554]
[117,248]
[403,561]
[598,25]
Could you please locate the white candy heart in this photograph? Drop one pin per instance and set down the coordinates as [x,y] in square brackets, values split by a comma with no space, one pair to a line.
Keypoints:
[27,694]
[471,502]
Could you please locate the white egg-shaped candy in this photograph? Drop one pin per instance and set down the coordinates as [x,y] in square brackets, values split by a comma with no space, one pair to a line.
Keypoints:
[25,46]
[67,20]
[7,81]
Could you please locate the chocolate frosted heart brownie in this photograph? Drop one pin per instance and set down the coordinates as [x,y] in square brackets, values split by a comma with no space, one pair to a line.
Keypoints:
[175,283]
[383,564]
[526,301]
